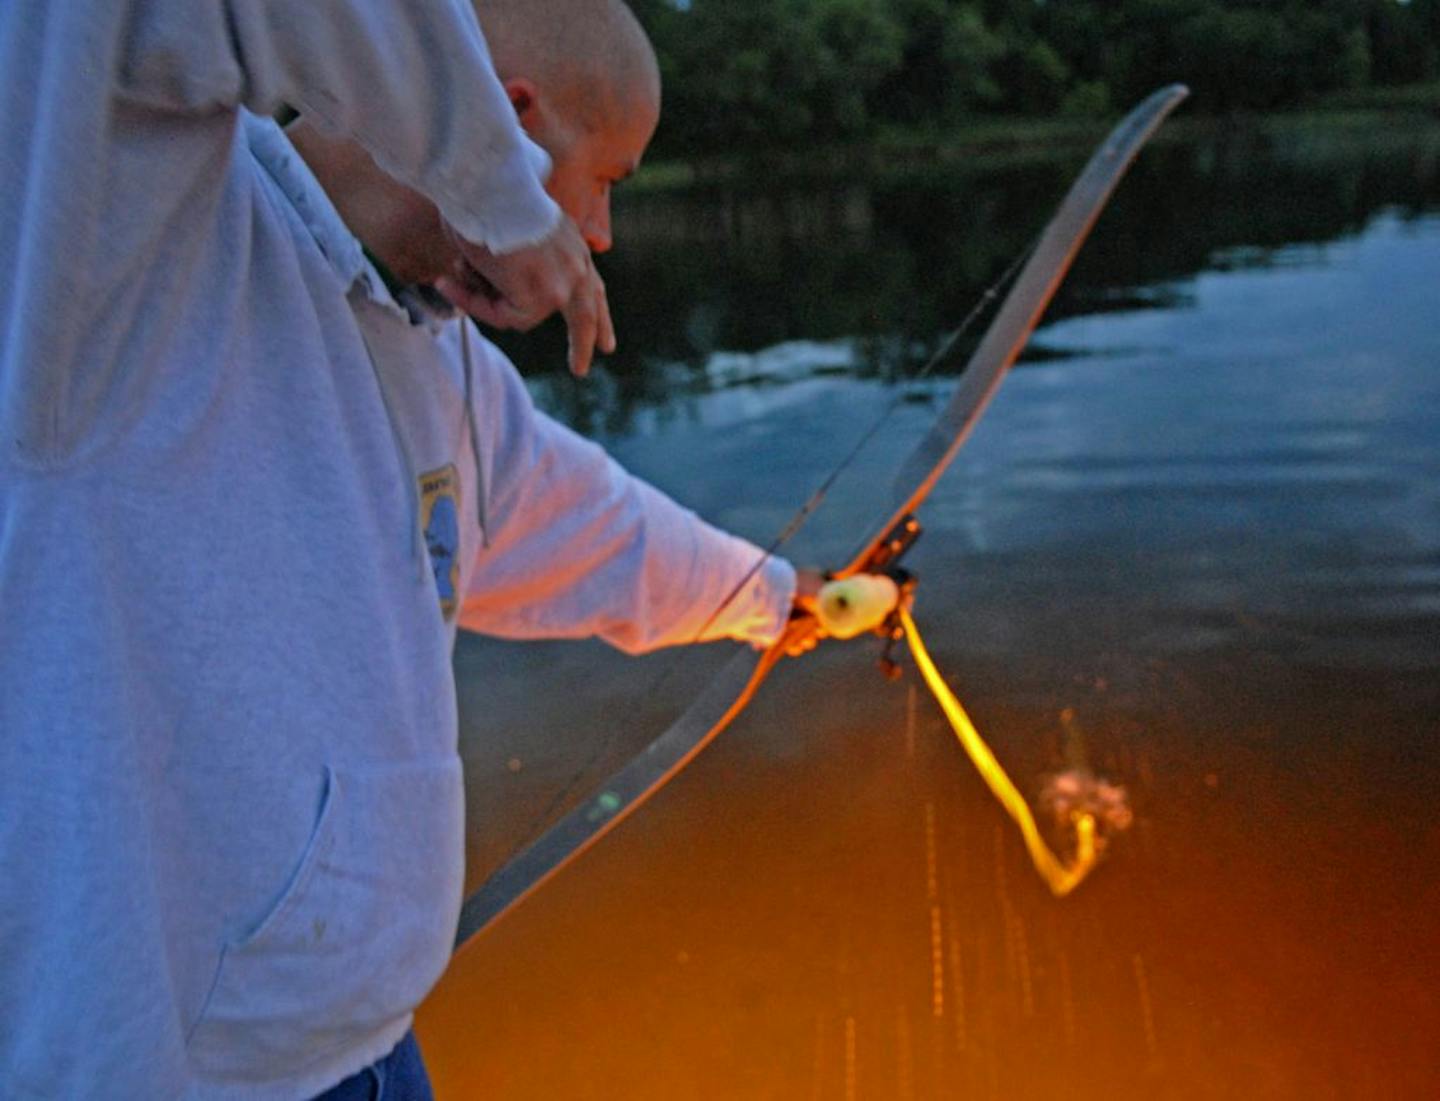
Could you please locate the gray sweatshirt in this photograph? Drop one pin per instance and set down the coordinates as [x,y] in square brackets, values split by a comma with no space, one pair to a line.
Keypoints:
[245,498]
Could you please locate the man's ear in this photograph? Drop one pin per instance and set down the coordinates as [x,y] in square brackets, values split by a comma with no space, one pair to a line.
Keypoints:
[525,98]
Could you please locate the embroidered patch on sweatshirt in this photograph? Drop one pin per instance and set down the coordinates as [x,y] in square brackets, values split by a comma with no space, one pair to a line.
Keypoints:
[440,520]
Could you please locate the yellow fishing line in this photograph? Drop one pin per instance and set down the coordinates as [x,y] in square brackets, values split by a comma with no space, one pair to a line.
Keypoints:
[1061,877]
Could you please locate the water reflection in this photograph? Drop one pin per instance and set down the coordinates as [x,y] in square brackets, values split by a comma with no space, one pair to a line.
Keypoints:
[888,266]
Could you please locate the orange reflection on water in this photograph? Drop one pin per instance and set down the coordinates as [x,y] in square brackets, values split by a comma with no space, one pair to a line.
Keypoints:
[830,904]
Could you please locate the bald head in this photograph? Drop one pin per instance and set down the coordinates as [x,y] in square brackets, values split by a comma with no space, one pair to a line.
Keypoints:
[584,82]
[591,56]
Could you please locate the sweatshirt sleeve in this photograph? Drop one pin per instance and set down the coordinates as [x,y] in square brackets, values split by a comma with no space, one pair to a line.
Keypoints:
[119,150]
[579,547]
[412,82]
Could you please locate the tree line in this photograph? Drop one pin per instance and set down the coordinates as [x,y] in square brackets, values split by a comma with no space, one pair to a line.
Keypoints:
[757,74]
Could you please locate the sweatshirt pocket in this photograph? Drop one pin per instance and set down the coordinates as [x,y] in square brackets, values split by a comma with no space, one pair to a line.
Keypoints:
[362,932]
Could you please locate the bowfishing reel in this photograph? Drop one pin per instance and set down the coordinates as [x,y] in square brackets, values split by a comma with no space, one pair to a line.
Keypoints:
[869,599]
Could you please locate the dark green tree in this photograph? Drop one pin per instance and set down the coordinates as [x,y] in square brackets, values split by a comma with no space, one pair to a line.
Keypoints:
[945,70]
[749,74]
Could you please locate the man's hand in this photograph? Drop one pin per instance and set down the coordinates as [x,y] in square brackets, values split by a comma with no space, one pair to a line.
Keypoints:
[804,630]
[520,289]
[838,609]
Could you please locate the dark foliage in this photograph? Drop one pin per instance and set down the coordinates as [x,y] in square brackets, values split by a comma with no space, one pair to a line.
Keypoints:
[751,75]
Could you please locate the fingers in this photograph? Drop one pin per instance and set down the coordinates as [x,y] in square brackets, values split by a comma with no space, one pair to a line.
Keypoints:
[581,324]
[607,343]
[520,289]
[587,318]
[802,635]
[805,629]
[543,278]
[808,583]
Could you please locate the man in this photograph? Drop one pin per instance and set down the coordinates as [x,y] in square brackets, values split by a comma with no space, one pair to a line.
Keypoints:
[246,492]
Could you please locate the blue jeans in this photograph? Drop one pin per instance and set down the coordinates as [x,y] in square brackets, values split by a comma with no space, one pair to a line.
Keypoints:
[400,1076]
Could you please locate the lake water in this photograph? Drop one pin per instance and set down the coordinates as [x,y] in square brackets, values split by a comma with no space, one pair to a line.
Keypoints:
[1196,539]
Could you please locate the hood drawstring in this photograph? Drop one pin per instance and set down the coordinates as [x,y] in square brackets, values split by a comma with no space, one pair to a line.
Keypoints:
[480,491]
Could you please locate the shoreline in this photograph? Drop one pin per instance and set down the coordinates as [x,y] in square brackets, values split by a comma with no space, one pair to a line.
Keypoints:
[997,142]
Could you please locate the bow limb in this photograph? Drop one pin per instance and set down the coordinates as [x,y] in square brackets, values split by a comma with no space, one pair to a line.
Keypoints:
[701,723]
[1018,315]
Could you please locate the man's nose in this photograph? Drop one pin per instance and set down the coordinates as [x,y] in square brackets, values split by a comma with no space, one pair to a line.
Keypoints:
[597,226]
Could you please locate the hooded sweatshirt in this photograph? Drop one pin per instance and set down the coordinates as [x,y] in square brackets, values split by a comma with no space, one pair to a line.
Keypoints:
[245,498]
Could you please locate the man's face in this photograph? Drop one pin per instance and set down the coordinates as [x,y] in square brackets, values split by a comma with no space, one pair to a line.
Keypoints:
[589,160]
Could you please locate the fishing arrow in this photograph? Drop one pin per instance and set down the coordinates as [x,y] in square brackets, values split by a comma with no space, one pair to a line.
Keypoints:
[881,549]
